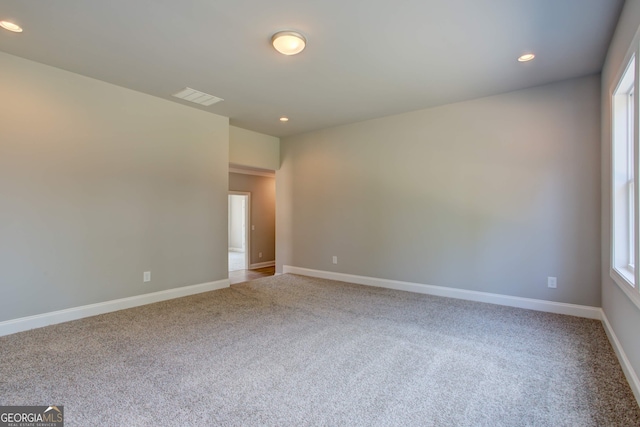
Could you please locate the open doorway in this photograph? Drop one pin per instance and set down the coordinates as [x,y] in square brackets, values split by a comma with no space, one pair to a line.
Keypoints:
[239,209]
[260,251]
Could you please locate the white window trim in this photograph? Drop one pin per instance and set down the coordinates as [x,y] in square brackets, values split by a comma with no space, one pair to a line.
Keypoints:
[624,286]
[631,183]
[627,278]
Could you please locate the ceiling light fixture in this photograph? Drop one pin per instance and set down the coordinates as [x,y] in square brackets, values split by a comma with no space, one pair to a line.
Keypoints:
[11,26]
[284,119]
[526,57]
[288,42]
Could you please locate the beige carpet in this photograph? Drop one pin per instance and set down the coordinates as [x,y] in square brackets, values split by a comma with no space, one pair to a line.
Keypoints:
[295,351]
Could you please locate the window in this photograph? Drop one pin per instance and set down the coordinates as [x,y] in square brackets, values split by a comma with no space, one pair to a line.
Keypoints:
[624,215]
[631,180]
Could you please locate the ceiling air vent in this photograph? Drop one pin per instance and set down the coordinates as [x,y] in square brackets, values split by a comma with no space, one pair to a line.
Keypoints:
[196,96]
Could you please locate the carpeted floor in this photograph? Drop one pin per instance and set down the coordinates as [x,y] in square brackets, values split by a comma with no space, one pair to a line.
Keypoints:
[291,351]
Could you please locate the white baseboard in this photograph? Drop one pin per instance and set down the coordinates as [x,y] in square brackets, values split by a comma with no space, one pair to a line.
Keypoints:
[511,301]
[262,265]
[54,317]
[627,368]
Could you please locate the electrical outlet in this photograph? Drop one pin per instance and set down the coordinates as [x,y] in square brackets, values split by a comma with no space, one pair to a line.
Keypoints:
[260,255]
[146,276]
[335,259]
[253,228]
[552,282]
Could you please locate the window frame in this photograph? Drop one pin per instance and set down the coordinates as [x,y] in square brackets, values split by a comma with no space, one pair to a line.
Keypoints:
[631,178]
[624,273]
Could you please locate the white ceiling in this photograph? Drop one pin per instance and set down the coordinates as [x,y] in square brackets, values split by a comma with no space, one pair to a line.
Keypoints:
[364,59]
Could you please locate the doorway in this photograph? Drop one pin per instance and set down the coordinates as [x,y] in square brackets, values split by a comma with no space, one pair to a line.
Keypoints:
[239,210]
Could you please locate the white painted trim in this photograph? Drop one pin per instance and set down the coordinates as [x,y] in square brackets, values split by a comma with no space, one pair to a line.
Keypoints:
[236,250]
[268,174]
[39,320]
[511,301]
[630,292]
[627,368]
[262,265]
[633,52]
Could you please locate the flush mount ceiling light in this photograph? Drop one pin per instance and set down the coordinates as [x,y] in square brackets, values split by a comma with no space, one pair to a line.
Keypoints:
[11,26]
[288,42]
[284,119]
[526,57]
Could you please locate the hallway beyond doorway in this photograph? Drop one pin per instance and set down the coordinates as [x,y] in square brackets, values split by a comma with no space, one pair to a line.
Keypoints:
[239,235]
[246,275]
[237,261]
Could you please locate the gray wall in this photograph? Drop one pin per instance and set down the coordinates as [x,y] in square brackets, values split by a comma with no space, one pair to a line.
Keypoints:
[492,195]
[100,183]
[623,315]
[253,149]
[263,213]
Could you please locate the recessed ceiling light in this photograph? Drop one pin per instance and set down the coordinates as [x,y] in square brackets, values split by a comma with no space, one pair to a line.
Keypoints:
[11,26]
[284,119]
[288,42]
[526,57]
